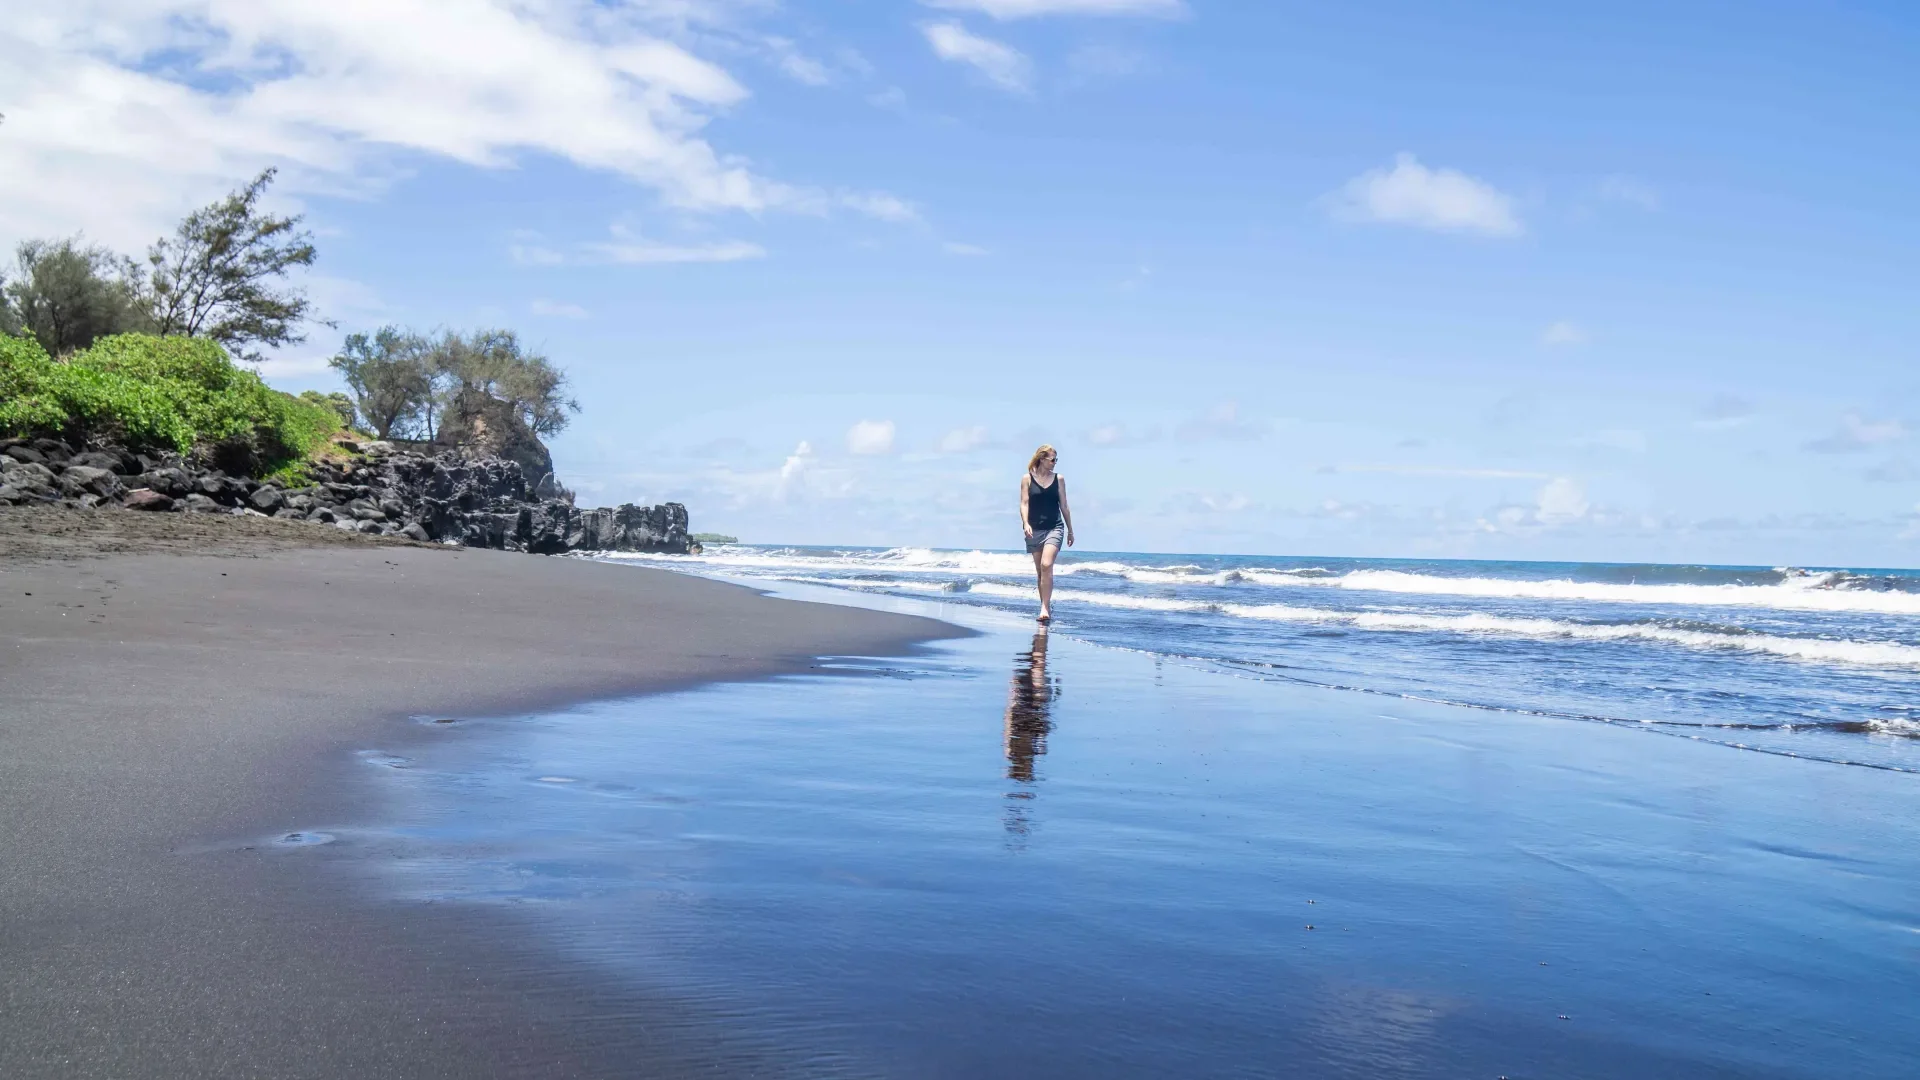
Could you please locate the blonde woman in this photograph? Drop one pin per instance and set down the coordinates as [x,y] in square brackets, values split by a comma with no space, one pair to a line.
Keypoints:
[1048,521]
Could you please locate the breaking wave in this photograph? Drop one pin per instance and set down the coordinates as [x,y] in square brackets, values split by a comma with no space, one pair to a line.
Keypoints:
[1864,653]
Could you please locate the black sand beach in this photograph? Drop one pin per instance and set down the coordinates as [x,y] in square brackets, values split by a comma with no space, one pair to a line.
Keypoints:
[179,691]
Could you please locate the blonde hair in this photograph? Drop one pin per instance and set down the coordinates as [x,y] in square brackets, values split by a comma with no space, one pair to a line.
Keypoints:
[1044,450]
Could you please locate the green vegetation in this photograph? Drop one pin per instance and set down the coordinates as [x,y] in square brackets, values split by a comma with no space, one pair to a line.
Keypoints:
[403,382]
[159,393]
[215,278]
[713,538]
[67,294]
[341,404]
[95,347]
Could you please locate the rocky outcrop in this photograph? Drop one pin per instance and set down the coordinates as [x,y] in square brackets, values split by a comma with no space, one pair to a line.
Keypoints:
[483,426]
[451,498]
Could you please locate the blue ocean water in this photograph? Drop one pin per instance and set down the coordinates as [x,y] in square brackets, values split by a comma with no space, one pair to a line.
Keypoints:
[1025,855]
[1821,663]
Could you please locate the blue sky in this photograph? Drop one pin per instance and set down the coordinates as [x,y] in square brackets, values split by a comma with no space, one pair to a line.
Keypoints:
[1633,282]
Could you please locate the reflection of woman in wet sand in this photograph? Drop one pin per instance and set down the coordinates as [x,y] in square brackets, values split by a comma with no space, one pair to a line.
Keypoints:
[1029,703]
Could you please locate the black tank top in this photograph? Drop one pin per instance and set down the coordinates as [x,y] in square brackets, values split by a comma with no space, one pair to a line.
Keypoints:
[1043,504]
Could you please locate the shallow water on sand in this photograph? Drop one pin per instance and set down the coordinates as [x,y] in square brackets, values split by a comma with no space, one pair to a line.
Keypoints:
[1029,857]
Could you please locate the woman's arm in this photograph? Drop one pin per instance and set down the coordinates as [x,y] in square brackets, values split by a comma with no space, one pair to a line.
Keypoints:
[1025,525]
[1066,512]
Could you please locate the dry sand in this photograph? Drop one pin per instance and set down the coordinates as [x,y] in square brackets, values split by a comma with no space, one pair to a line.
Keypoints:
[175,691]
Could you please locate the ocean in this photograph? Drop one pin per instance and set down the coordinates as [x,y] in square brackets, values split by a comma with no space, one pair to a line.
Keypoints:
[1818,663]
[1074,853]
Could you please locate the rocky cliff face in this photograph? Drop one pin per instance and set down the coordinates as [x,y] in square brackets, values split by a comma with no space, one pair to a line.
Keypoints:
[483,426]
[451,498]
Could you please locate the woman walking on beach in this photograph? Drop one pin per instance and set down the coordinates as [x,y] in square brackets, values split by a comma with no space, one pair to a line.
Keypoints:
[1047,519]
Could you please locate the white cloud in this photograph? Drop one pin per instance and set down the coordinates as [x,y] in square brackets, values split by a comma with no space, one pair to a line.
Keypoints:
[960,440]
[880,205]
[1857,434]
[1412,194]
[558,309]
[1563,333]
[1562,500]
[1003,65]
[1026,9]
[796,64]
[122,114]
[795,468]
[870,437]
[630,248]
[964,249]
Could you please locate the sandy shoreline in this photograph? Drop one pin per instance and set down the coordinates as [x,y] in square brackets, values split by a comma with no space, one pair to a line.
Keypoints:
[166,713]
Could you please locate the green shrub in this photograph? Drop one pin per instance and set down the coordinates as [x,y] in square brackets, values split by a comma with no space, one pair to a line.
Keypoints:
[159,393]
[41,396]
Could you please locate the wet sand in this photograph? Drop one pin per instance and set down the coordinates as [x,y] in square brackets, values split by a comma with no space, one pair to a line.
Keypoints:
[165,714]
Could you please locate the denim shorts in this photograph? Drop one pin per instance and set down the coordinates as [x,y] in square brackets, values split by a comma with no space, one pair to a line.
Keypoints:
[1057,536]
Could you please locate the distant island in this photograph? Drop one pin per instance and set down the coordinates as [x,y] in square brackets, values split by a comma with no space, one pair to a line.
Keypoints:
[713,538]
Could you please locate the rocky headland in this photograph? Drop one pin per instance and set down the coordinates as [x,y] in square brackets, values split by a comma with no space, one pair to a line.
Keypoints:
[451,496]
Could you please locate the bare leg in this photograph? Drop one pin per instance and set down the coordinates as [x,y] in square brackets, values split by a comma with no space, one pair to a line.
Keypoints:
[1043,564]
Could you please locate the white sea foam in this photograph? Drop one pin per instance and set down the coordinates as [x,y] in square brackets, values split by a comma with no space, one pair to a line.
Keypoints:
[1865,653]
[1869,653]
[1112,600]
[1809,593]
[1799,592]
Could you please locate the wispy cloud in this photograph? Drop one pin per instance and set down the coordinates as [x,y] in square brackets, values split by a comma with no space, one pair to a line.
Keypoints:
[952,248]
[1003,65]
[558,309]
[638,251]
[880,205]
[797,65]
[1630,191]
[103,136]
[1443,200]
[1856,434]
[1027,9]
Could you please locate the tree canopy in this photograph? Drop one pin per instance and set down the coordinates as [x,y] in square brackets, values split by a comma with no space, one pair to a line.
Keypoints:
[403,382]
[390,378]
[217,276]
[494,363]
[67,294]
